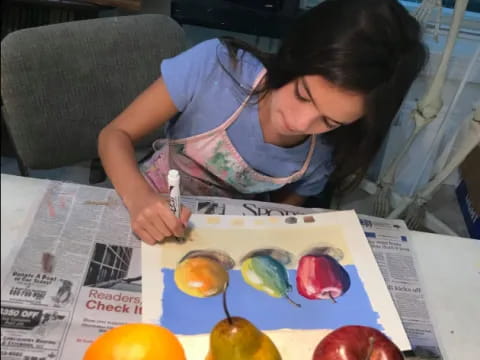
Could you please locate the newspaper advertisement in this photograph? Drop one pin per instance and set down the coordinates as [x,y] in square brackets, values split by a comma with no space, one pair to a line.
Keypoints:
[78,272]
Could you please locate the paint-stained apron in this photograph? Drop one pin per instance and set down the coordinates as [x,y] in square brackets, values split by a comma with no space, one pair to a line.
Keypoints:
[209,164]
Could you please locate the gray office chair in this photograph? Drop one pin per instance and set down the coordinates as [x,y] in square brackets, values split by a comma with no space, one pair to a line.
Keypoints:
[62,83]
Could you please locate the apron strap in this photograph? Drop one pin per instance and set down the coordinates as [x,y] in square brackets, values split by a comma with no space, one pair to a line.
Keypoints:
[237,112]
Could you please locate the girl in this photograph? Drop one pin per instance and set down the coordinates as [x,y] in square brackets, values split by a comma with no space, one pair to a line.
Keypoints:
[246,124]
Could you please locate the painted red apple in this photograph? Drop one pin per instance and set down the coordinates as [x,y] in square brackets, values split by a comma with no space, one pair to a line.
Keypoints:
[355,342]
[321,277]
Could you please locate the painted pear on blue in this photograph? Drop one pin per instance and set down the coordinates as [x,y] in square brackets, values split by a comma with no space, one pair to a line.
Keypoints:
[268,275]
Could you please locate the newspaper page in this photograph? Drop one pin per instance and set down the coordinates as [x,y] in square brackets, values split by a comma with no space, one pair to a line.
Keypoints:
[78,272]
[390,245]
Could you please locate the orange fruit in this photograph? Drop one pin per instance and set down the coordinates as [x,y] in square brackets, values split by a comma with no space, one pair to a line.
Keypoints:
[136,342]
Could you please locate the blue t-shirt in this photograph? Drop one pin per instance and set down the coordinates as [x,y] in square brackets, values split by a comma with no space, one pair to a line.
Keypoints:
[207,89]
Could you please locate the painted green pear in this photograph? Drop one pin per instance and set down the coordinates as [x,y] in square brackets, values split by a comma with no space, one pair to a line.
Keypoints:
[266,274]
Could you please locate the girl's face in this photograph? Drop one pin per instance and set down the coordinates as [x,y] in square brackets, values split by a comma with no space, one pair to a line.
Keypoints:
[312,105]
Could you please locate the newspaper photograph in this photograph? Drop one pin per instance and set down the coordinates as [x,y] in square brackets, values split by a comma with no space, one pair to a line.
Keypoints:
[78,271]
[110,295]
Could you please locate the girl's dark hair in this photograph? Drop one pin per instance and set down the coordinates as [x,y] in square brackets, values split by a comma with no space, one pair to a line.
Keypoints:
[372,47]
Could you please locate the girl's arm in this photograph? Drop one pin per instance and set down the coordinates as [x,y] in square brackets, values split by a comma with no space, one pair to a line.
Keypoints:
[150,215]
[148,112]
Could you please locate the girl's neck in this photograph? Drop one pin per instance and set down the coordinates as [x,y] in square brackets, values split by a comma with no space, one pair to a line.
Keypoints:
[270,135]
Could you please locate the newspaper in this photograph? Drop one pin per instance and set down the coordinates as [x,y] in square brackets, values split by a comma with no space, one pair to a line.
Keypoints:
[78,272]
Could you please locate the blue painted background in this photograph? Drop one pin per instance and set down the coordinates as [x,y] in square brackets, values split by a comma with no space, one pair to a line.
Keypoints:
[186,315]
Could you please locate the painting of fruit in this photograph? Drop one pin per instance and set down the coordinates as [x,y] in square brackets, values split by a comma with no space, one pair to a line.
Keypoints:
[321,277]
[266,274]
[266,266]
[203,273]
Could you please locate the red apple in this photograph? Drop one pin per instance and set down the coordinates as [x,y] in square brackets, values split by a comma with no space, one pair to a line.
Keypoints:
[321,277]
[355,342]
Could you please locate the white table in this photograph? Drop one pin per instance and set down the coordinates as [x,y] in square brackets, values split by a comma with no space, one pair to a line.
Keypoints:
[449,269]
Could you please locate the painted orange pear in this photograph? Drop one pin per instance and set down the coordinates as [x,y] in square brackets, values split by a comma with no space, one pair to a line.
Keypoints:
[200,277]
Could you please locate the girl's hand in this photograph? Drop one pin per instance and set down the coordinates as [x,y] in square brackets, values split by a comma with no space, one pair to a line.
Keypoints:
[152,220]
